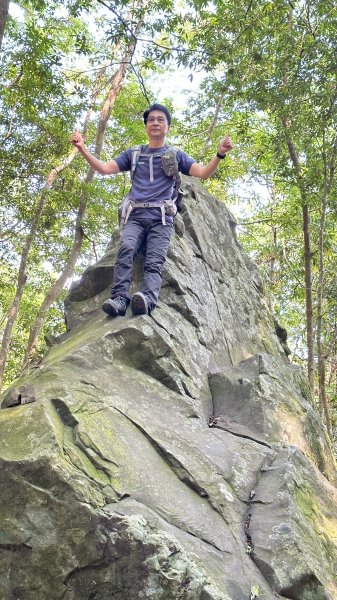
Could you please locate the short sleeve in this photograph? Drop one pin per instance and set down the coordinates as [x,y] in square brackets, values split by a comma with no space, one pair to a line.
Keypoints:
[124,160]
[184,162]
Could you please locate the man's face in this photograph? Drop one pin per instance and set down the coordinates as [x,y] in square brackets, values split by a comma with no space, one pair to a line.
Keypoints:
[157,125]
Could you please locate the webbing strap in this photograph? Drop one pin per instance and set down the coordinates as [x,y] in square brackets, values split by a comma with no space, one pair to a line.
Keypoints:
[136,152]
[151,167]
[127,212]
[128,208]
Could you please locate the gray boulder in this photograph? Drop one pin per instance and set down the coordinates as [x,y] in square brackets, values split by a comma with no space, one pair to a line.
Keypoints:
[171,456]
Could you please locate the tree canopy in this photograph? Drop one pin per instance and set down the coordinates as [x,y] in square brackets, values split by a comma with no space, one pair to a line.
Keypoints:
[269,78]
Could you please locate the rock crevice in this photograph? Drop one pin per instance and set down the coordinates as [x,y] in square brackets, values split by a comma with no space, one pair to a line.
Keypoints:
[176,456]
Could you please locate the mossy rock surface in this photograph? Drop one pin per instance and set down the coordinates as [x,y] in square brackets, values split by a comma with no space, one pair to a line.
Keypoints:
[175,456]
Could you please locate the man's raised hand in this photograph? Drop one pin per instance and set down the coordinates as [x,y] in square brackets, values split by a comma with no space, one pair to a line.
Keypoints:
[225,145]
[77,139]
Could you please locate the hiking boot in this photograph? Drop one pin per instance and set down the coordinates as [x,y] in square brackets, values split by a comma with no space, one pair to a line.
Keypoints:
[115,306]
[139,304]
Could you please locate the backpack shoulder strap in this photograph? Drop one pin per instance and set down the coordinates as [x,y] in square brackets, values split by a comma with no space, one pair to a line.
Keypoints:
[135,154]
[173,148]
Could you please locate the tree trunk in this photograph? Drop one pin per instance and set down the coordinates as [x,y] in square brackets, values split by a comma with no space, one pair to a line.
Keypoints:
[307,256]
[68,160]
[329,169]
[213,124]
[22,278]
[4,5]
[308,295]
[273,252]
[69,267]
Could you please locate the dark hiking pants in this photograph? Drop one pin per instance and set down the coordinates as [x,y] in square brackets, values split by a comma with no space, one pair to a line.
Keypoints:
[155,237]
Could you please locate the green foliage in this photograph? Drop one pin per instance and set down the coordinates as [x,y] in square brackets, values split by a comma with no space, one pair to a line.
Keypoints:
[50,71]
[274,65]
[38,111]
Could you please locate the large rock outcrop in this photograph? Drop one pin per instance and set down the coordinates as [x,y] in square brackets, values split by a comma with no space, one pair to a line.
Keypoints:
[171,456]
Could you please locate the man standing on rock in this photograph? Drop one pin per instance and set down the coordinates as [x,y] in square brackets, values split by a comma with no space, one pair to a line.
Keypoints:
[149,210]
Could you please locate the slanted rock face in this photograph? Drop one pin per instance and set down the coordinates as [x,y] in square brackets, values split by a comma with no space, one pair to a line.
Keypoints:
[175,456]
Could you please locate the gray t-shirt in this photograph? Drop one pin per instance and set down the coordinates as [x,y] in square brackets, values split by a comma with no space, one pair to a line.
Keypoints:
[150,184]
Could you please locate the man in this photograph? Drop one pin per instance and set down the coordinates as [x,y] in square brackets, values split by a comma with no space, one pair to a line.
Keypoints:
[146,224]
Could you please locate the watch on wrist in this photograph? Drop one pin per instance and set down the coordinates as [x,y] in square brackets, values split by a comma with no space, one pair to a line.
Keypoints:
[220,155]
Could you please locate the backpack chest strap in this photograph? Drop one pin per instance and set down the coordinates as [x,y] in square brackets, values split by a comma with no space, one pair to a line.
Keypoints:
[138,155]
